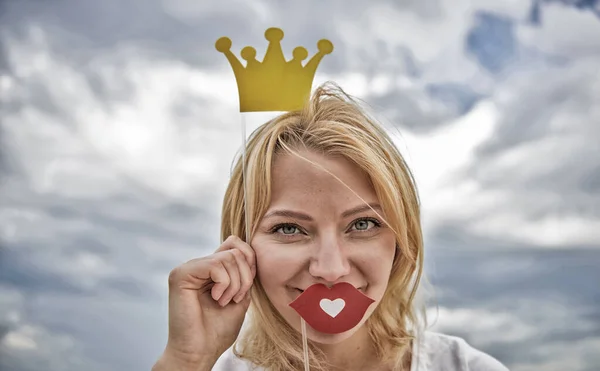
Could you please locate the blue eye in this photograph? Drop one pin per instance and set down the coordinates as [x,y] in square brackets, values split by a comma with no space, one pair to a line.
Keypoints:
[362,224]
[365,224]
[288,229]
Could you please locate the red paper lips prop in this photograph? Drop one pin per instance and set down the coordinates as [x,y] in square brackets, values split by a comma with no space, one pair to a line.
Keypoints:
[332,311]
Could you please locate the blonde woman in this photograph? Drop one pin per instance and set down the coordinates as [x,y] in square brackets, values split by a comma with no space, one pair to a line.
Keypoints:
[329,200]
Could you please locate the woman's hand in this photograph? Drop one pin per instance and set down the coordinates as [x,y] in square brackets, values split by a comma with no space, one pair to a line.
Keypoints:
[208,300]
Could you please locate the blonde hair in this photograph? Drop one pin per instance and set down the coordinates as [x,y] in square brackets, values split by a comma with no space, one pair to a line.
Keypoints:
[332,123]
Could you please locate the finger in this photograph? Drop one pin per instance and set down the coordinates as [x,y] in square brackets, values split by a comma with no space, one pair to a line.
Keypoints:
[246,276]
[220,276]
[196,273]
[228,258]
[233,242]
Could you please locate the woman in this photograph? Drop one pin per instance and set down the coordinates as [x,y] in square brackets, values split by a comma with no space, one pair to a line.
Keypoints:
[330,199]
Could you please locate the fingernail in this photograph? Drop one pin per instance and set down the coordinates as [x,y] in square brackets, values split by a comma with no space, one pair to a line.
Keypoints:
[237,298]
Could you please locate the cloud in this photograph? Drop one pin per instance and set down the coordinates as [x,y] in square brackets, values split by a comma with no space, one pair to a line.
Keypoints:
[24,346]
[137,137]
[78,332]
[522,165]
[564,29]
[120,126]
[167,29]
[528,337]
[33,348]
[538,170]
[515,301]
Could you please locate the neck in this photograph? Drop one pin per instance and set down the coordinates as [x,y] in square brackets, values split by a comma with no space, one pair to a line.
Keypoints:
[354,353]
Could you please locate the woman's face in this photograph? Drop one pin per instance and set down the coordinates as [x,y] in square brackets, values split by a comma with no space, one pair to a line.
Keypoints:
[317,231]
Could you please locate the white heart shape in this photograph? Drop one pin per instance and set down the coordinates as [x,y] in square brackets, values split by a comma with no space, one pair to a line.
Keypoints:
[332,308]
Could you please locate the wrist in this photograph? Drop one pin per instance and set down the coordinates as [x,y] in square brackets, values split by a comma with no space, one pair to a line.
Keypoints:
[171,362]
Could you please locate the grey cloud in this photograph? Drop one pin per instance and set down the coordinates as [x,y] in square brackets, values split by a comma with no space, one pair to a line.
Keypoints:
[4,329]
[56,353]
[534,354]
[402,108]
[423,109]
[140,234]
[180,30]
[18,271]
[585,5]
[547,93]
[514,272]
[92,27]
[40,96]
[24,268]
[590,183]
[548,109]
[77,332]
[520,280]
[130,233]
[187,31]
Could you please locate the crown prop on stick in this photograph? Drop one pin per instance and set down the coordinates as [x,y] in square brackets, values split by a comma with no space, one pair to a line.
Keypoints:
[273,84]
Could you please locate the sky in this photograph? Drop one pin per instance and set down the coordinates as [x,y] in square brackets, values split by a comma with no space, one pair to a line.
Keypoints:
[119,125]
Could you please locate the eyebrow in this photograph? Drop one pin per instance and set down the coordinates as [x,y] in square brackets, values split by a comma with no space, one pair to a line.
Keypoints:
[302,216]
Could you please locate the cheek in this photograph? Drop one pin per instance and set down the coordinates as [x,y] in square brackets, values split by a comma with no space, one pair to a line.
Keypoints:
[276,265]
[377,264]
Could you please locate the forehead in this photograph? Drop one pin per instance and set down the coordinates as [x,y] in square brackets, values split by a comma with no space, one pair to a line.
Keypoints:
[315,176]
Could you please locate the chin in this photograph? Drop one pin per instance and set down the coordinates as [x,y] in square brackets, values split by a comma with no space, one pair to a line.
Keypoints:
[329,339]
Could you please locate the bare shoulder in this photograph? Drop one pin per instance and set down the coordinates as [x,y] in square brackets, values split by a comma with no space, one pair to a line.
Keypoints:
[438,351]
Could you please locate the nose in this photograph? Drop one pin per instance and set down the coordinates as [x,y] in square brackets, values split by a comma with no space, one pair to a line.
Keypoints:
[329,262]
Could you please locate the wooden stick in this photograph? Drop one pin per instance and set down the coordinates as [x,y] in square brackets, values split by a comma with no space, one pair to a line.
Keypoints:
[305,345]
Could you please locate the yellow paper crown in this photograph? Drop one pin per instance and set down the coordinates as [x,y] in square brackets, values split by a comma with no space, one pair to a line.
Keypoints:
[273,84]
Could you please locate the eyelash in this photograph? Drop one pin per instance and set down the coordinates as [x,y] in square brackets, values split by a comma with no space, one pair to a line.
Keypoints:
[276,227]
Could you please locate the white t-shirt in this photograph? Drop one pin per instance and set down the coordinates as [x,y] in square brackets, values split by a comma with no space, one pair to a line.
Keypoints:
[434,352]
